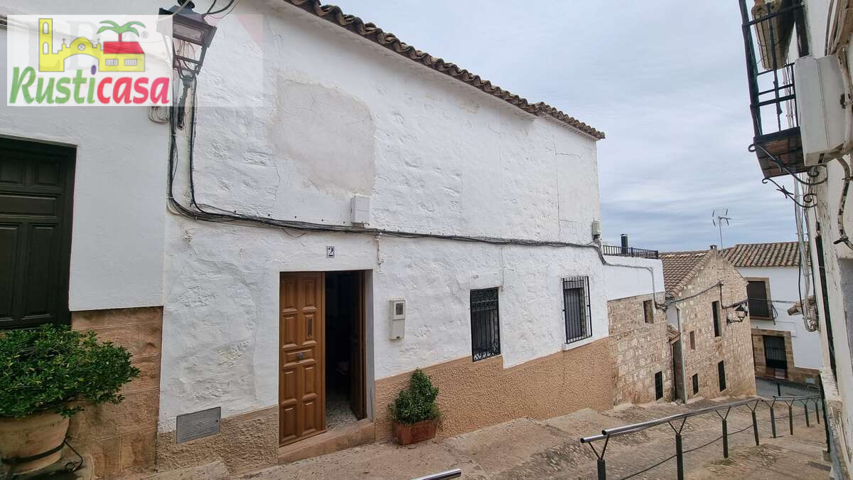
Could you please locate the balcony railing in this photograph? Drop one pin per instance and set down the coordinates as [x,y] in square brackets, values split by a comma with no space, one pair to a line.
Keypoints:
[769,30]
[629,252]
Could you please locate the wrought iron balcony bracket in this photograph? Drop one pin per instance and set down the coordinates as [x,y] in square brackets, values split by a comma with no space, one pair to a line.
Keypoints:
[813,173]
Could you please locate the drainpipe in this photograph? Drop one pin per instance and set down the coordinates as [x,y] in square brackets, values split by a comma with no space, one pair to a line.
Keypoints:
[681,354]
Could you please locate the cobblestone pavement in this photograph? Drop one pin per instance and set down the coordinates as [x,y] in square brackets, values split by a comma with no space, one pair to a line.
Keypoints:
[542,449]
[767,388]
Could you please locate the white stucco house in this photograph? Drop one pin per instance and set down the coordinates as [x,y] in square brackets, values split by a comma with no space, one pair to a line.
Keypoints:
[785,346]
[349,209]
[802,140]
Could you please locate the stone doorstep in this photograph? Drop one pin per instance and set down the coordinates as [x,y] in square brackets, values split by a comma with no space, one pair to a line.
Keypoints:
[359,433]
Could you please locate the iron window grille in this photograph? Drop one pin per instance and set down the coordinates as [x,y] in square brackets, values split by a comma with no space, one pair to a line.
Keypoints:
[658,385]
[715,306]
[695,383]
[576,308]
[485,324]
[774,352]
[721,372]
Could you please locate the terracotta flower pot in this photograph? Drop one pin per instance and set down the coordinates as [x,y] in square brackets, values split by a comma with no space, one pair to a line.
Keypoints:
[414,433]
[29,436]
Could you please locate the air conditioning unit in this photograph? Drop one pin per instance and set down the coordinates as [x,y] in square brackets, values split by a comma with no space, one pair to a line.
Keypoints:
[820,107]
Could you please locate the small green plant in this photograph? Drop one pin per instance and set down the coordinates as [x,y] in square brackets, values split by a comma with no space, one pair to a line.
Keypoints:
[47,368]
[417,403]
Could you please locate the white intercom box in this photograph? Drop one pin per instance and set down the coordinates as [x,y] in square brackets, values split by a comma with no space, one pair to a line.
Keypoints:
[360,210]
[398,318]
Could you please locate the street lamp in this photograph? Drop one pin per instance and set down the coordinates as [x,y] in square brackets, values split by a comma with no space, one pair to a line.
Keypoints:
[192,35]
[740,312]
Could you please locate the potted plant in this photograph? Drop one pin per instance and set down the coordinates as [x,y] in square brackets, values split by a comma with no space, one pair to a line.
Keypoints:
[414,412]
[46,375]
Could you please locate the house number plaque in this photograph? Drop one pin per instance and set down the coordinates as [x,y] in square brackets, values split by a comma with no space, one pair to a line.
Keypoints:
[191,426]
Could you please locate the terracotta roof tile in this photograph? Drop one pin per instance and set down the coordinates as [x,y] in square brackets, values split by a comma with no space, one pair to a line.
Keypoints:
[679,268]
[388,40]
[779,254]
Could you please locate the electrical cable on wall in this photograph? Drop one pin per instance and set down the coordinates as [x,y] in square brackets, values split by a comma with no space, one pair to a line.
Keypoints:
[209,213]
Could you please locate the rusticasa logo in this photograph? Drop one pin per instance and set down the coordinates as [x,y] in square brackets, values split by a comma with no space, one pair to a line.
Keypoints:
[83,60]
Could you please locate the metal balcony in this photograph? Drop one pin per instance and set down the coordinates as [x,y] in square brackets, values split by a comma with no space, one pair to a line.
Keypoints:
[769,30]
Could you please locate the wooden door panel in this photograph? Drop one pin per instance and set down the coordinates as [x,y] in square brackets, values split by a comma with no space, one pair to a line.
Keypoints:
[36,191]
[302,377]
[9,240]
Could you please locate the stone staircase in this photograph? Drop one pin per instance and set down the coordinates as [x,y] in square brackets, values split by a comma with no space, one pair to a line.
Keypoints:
[538,449]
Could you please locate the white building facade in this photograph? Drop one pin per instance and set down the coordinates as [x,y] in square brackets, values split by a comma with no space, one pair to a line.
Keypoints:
[785,346]
[273,317]
[802,136]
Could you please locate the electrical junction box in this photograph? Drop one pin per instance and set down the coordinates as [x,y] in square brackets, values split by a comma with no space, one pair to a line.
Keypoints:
[821,112]
[360,210]
[397,307]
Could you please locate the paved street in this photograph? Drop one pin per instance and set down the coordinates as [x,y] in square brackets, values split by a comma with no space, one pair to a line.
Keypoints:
[527,448]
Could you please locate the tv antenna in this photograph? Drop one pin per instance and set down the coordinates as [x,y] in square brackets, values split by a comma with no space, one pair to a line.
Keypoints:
[718,219]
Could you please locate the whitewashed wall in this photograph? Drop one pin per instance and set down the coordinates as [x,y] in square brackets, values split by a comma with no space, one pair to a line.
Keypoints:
[339,115]
[629,277]
[783,287]
[119,212]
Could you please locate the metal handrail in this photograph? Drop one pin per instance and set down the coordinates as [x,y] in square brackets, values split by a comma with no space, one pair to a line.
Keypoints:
[613,432]
[455,473]
[671,420]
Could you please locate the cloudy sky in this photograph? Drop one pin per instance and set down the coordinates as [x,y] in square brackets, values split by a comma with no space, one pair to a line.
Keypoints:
[664,79]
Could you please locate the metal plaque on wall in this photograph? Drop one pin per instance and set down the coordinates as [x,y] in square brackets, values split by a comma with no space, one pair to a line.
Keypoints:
[191,426]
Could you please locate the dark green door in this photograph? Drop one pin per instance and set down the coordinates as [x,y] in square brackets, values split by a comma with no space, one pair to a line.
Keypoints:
[36,186]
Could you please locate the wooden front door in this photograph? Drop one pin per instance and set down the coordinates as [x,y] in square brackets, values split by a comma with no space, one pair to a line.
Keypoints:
[36,184]
[356,342]
[302,399]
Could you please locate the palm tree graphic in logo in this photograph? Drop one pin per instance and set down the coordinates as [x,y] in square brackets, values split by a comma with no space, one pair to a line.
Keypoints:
[121,29]
[120,56]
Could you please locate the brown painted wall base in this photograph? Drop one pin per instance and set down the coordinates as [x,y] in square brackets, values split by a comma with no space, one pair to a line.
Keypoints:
[121,439]
[478,394]
[245,443]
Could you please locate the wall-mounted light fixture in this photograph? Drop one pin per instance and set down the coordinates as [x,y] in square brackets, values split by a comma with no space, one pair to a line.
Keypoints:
[740,314]
[191,36]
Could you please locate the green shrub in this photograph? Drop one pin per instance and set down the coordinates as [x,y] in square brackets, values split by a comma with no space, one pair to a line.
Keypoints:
[417,403]
[50,367]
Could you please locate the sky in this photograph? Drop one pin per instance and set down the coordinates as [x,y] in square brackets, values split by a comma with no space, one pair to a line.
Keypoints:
[665,80]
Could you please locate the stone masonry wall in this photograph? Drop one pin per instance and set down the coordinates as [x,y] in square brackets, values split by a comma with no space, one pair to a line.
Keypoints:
[639,350]
[120,440]
[734,345]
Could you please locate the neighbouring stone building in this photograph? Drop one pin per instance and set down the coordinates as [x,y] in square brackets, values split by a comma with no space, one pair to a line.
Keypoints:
[785,345]
[713,350]
[641,350]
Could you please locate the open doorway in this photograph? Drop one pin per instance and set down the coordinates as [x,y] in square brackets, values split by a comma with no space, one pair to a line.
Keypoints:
[345,345]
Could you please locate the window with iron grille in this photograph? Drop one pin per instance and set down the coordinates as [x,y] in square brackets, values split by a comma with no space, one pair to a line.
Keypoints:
[695,383]
[576,309]
[721,372]
[649,311]
[485,324]
[658,385]
[775,355]
[715,306]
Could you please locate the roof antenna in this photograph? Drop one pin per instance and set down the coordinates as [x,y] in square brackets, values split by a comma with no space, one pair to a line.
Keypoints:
[718,219]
